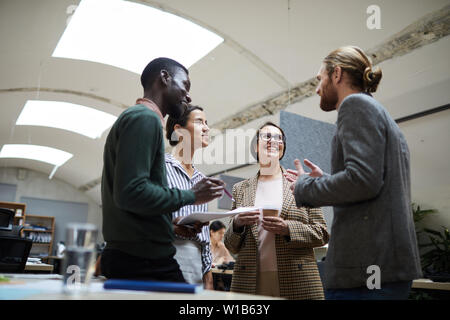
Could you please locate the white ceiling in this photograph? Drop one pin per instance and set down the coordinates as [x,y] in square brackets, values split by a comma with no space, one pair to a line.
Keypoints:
[267,49]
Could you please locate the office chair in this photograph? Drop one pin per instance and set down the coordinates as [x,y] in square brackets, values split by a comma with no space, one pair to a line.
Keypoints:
[14,254]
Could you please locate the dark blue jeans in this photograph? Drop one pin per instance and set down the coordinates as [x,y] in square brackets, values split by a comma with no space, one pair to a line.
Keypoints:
[388,291]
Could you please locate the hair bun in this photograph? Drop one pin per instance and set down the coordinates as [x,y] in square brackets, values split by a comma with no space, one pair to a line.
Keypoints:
[368,75]
[371,79]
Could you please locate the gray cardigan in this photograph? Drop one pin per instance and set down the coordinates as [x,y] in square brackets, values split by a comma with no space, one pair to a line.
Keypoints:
[369,188]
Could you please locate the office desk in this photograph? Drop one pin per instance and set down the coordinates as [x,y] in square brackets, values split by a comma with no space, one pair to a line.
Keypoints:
[429,284]
[222,279]
[428,289]
[49,288]
[38,267]
[55,261]
[221,271]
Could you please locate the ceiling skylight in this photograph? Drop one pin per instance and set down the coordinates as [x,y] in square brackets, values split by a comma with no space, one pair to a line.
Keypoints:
[129,35]
[68,116]
[53,156]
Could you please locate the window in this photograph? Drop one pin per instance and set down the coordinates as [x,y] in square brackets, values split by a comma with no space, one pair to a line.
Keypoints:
[68,116]
[53,156]
[129,35]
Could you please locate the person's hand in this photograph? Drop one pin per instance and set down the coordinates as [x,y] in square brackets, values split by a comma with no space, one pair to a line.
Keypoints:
[292,175]
[275,225]
[207,190]
[187,231]
[245,219]
[315,170]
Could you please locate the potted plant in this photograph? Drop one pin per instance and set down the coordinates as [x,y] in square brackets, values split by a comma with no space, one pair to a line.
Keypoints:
[436,261]
[419,214]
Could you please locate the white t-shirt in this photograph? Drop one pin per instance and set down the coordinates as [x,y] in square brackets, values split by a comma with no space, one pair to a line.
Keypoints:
[268,193]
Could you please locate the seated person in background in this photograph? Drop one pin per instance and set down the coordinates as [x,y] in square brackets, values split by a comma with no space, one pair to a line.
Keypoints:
[188,133]
[275,253]
[220,253]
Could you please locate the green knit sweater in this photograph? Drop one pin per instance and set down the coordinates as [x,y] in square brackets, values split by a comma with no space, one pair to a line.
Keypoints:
[137,204]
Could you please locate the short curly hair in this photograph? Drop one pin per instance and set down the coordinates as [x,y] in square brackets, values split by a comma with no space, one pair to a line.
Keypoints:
[153,69]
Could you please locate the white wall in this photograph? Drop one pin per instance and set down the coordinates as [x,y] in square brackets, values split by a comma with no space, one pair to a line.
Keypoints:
[430,178]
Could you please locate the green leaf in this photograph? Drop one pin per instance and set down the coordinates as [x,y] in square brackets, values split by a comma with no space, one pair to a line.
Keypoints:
[436,233]
[419,214]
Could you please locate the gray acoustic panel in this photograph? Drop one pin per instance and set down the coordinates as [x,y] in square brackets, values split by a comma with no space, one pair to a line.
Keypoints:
[8,192]
[310,139]
[225,201]
[306,138]
[63,211]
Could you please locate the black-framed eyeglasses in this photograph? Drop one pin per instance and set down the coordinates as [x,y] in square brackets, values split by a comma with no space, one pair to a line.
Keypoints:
[267,136]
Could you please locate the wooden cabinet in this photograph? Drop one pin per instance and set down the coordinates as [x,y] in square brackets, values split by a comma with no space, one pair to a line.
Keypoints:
[41,231]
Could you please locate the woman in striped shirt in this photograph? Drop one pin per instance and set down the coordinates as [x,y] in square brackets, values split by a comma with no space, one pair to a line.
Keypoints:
[188,134]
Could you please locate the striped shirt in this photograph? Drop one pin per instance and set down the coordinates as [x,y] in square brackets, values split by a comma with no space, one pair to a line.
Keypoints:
[178,178]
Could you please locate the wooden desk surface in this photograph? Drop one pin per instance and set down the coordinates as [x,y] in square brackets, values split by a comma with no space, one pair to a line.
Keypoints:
[51,289]
[38,267]
[429,284]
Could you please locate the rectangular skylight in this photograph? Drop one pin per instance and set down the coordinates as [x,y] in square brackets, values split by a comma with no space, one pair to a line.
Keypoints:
[129,35]
[53,156]
[68,116]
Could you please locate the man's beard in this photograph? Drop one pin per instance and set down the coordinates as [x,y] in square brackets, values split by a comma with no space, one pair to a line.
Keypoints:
[176,110]
[329,98]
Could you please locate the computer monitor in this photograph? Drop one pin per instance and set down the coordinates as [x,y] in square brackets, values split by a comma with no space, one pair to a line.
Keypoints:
[6,219]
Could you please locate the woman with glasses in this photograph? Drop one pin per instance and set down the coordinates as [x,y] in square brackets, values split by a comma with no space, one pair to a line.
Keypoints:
[274,245]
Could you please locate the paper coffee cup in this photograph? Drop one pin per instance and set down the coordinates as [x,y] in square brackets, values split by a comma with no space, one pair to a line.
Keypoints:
[270,211]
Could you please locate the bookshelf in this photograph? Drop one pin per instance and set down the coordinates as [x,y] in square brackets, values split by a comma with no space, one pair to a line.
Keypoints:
[40,230]
[19,209]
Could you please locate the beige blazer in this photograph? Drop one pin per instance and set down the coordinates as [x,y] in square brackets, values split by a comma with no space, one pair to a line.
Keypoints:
[298,274]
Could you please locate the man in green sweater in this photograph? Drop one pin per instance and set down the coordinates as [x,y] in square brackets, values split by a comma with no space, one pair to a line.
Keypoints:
[137,203]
